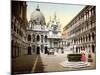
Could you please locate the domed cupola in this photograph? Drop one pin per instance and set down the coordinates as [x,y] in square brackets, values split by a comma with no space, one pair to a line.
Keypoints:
[37,18]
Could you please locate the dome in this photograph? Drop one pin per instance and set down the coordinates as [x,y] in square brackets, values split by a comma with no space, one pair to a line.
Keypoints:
[37,17]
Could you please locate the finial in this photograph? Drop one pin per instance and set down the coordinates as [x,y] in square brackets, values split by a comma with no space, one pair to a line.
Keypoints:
[37,7]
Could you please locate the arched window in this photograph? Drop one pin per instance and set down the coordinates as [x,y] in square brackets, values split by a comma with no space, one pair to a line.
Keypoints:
[45,38]
[38,38]
[29,37]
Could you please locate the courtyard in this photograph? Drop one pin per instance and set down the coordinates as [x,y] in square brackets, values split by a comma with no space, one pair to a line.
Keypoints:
[43,63]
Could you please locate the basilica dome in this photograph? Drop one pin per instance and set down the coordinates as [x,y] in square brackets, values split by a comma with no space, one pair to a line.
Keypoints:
[37,17]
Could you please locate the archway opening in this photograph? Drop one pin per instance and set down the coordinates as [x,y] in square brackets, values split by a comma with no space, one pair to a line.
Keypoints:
[29,50]
[38,50]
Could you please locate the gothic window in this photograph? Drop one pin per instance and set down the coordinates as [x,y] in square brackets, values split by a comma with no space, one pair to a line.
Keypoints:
[29,37]
[38,38]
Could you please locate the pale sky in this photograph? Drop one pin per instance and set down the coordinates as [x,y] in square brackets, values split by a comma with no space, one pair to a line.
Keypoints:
[65,12]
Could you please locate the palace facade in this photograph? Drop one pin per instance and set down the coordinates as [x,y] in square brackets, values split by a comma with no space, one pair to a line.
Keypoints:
[19,24]
[80,32]
[42,38]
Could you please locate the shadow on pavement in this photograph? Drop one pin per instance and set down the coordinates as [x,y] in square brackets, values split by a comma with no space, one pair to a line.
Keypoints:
[22,64]
[39,66]
[25,64]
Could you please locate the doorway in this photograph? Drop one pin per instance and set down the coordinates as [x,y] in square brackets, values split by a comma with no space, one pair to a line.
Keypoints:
[29,50]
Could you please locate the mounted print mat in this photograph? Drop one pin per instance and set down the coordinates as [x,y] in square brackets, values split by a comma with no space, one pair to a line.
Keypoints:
[52,37]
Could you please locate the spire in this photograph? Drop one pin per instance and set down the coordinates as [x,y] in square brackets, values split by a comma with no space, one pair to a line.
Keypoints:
[55,15]
[38,8]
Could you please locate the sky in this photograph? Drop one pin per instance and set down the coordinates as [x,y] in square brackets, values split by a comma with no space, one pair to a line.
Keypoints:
[65,12]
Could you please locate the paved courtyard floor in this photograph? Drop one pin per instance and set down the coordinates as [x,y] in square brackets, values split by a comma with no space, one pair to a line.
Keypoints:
[42,63]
